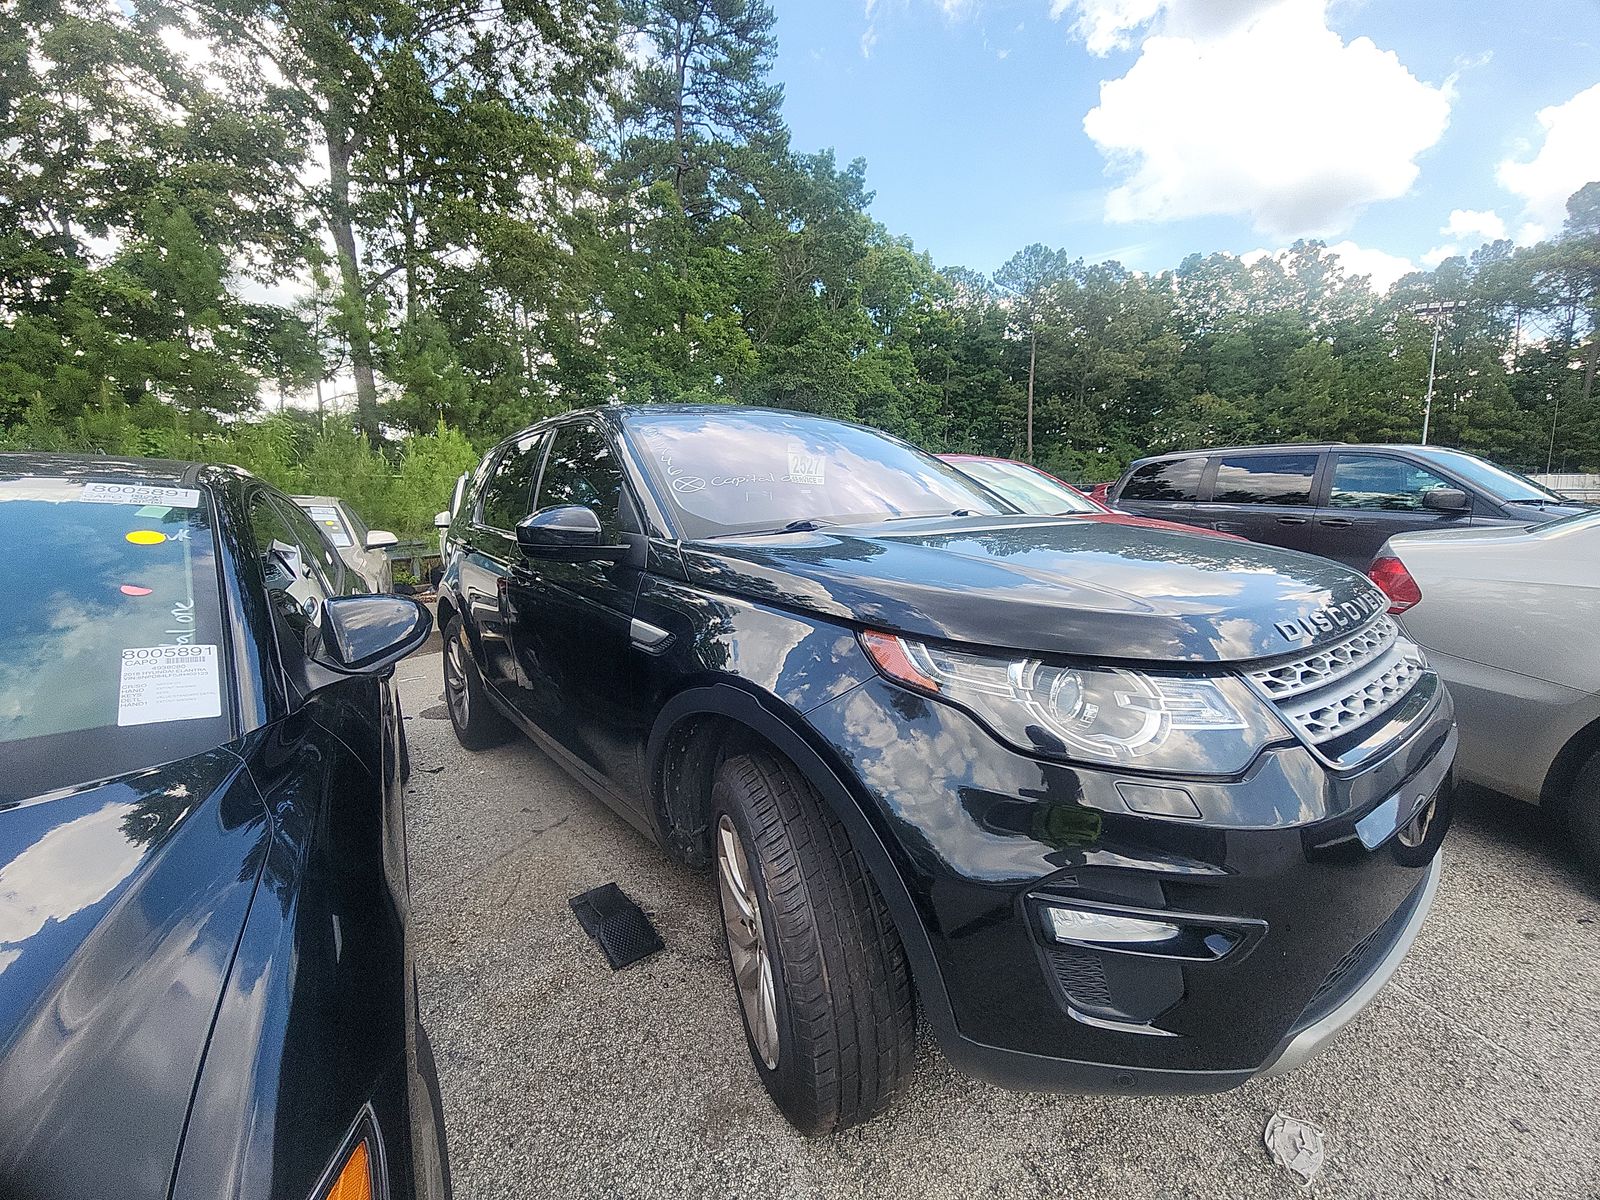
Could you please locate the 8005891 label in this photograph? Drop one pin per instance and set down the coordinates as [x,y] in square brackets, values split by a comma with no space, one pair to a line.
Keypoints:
[168,683]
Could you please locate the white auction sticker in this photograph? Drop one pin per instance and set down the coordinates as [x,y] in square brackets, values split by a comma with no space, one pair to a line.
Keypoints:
[807,468]
[140,493]
[168,683]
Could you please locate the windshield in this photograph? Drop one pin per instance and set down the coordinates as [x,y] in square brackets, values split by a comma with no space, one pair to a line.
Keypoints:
[110,645]
[746,471]
[331,520]
[1030,490]
[1503,485]
[1569,524]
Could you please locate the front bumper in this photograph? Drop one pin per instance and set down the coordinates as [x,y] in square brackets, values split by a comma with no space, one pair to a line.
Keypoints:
[1303,865]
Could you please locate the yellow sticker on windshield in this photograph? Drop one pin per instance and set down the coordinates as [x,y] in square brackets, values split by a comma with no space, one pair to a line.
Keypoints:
[146,537]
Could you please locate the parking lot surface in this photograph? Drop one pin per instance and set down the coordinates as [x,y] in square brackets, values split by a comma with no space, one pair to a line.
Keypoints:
[1476,1072]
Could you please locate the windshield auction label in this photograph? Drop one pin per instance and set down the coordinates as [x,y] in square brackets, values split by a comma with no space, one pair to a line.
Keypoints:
[807,468]
[140,493]
[168,683]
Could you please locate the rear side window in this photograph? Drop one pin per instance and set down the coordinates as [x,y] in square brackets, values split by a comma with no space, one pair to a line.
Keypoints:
[582,469]
[508,494]
[112,655]
[1376,481]
[1265,479]
[1174,481]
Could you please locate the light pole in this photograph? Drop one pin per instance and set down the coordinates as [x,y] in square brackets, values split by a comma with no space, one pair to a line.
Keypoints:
[1436,310]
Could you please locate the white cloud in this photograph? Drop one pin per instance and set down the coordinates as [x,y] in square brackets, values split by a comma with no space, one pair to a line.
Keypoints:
[1432,258]
[1256,109]
[1106,25]
[1384,268]
[1568,159]
[1468,222]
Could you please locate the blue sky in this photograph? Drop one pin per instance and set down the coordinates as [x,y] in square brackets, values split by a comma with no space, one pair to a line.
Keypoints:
[1395,129]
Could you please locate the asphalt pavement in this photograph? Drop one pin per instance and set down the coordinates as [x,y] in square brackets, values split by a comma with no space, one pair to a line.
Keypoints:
[1475,1073]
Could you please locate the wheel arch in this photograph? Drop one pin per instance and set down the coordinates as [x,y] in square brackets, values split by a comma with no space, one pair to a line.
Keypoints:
[1564,768]
[706,723]
[447,608]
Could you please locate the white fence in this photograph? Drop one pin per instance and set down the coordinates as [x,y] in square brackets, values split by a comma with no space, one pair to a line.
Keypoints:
[1575,487]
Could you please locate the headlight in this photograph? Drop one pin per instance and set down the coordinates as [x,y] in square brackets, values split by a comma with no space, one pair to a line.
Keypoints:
[1111,716]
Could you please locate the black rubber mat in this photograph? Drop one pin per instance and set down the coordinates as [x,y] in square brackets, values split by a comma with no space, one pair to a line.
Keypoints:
[617,924]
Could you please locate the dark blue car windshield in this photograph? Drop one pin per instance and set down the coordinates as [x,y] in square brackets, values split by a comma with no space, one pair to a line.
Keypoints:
[111,654]
[749,470]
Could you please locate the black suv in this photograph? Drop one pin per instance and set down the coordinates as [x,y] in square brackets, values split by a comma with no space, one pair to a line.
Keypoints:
[1342,502]
[1128,810]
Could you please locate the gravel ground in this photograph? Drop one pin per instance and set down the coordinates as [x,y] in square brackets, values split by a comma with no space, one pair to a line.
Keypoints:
[1476,1072]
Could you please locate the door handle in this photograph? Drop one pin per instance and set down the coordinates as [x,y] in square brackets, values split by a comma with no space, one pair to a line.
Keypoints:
[1292,520]
[1337,522]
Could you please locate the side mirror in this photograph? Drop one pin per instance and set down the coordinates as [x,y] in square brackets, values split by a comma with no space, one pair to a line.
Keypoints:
[368,634]
[1446,499]
[567,532]
[379,539]
[441,520]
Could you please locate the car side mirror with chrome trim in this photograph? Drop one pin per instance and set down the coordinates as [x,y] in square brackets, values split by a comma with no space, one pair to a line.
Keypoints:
[567,533]
[381,539]
[1446,499]
[368,634]
[441,519]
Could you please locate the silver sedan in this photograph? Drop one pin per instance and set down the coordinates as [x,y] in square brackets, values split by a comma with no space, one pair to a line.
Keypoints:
[1510,618]
[362,549]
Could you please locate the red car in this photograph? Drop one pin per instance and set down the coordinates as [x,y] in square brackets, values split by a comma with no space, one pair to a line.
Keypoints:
[1039,492]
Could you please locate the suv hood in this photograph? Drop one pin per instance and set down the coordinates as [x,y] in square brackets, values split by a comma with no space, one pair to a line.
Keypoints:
[121,905]
[1066,586]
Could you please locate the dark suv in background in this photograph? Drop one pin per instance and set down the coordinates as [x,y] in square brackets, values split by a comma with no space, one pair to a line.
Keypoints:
[1128,810]
[1342,502]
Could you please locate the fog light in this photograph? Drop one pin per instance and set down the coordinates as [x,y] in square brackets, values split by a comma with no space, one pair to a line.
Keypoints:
[1106,929]
[1196,939]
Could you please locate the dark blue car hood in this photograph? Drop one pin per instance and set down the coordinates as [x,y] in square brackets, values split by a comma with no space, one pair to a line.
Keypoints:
[121,905]
[1050,586]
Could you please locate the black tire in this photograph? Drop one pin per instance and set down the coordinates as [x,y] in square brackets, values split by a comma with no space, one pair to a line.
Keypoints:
[478,724]
[1583,814]
[845,1011]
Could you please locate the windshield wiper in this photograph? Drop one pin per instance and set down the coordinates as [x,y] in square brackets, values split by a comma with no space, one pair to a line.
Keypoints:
[803,525]
[960,512]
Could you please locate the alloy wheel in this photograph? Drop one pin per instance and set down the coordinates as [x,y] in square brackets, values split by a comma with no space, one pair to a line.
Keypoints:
[747,946]
[455,681]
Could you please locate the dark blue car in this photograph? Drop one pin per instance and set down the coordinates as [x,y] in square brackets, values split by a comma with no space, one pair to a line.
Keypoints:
[206,986]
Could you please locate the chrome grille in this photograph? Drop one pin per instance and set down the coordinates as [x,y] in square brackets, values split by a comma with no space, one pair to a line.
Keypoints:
[1342,687]
[1327,665]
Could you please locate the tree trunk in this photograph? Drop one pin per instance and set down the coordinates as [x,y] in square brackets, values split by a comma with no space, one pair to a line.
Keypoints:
[342,227]
[1589,367]
[1033,358]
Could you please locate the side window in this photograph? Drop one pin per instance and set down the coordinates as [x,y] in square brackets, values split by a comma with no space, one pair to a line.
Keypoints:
[507,494]
[296,579]
[1174,481]
[1376,481]
[1265,479]
[583,469]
